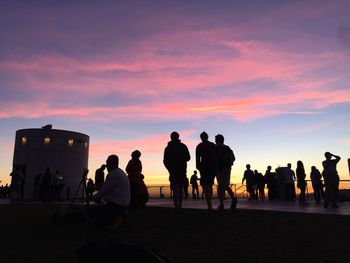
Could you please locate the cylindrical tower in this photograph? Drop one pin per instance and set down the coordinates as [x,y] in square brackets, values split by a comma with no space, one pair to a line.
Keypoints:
[37,149]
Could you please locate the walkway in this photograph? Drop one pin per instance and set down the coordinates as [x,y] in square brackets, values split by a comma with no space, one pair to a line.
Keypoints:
[344,208]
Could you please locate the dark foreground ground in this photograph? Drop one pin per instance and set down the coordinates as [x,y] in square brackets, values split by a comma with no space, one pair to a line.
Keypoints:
[27,235]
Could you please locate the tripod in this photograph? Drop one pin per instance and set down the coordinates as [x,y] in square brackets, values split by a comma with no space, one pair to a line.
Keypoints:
[83,193]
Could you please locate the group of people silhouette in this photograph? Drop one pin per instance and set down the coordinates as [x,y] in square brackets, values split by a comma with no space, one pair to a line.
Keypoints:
[213,160]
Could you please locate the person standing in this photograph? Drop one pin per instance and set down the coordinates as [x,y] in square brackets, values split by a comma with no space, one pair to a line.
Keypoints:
[207,163]
[176,156]
[301,183]
[249,177]
[331,177]
[100,177]
[134,170]
[289,177]
[317,186]
[226,158]
[194,184]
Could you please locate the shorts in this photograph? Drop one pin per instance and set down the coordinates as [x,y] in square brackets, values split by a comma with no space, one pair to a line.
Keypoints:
[208,176]
[223,176]
[177,176]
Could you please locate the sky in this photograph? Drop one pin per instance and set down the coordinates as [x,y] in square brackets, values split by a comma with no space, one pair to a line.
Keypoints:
[272,76]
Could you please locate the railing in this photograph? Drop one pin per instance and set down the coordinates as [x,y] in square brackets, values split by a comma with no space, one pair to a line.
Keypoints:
[164,191]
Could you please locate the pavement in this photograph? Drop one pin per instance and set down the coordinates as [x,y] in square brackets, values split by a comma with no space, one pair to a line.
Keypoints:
[311,207]
[284,206]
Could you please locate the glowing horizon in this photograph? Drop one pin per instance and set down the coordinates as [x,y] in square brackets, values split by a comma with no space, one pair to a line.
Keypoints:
[271,77]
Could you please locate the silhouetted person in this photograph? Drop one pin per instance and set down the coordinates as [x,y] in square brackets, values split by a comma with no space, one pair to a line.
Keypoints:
[226,158]
[248,176]
[207,164]
[289,177]
[6,191]
[45,187]
[194,184]
[56,185]
[134,169]
[16,183]
[100,177]
[143,194]
[260,184]
[116,191]
[90,189]
[331,178]
[176,156]
[316,180]
[270,180]
[301,184]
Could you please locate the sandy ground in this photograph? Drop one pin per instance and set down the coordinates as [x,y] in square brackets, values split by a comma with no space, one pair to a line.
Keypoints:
[28,235]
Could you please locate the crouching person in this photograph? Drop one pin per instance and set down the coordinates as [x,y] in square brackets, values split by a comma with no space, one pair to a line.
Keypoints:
[116,192]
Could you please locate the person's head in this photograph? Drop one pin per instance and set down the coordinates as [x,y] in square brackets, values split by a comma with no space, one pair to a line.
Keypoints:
[248,166]
[300,164]
[204,136]
[313,168]
[174,136]
[103,166]
[136,154]
[112,162]
[256,171]
[269,168]
[195,172]
[289,165]
[219,139]
[328,155]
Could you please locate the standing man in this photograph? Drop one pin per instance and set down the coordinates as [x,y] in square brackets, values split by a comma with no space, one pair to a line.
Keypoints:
[331,178]
[176,156]
[100,177]
[226,158]
[116,192]
[194,184]
[207,163]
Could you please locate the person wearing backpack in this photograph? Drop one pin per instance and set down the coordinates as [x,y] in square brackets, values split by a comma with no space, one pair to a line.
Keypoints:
[226,158]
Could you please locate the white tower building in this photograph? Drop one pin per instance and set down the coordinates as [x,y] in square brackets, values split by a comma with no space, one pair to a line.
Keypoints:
[66,151]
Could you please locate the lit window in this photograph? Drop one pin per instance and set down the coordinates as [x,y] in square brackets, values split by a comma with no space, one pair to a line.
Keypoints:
[70,142]
[24,140]
[47,140]
[86,145]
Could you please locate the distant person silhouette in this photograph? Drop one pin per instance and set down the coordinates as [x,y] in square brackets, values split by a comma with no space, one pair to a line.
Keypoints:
[331,177]
[16,183]
[271,183]
[45,187]
[260,185]
[207,164]
[226,158]
[289,177]
[143,194]
[194,183]
[316,180]
[301,182]
[248,176]
[134,170]
[100,177]
[176,156]
[90,189]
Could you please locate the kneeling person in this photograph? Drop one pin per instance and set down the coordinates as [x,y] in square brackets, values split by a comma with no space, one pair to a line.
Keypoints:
[116,192]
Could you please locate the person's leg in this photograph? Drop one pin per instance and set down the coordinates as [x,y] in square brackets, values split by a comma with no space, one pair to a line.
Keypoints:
[208,190]
[221,195]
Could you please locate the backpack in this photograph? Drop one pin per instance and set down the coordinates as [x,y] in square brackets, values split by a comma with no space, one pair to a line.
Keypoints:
[229,156]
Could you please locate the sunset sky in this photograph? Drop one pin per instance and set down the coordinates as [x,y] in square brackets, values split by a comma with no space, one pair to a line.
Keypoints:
[272,76]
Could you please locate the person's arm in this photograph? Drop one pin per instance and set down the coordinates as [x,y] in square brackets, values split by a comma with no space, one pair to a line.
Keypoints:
[106,187]
[337,158]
